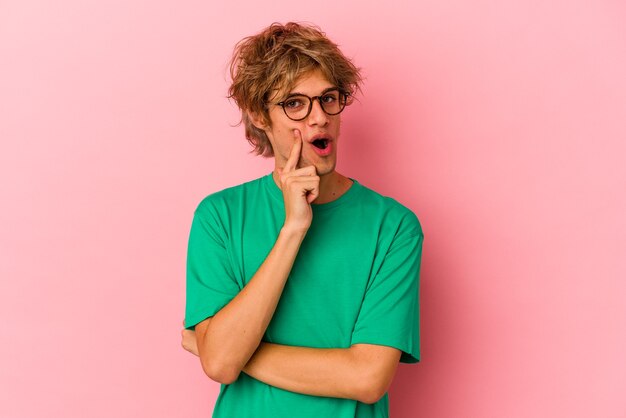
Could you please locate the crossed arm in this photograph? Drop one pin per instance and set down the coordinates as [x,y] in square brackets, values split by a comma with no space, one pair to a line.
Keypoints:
[362,372]
[230,341]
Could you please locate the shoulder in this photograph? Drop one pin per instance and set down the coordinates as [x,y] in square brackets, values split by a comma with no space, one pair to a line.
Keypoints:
[403,219]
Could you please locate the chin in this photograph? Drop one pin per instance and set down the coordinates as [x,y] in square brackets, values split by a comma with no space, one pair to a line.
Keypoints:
[325,170]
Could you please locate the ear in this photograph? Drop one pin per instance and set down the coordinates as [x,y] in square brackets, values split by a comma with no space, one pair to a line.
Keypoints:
[257,120]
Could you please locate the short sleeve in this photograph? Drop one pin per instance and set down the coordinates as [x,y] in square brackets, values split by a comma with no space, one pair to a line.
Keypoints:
[389,313]
[211,283]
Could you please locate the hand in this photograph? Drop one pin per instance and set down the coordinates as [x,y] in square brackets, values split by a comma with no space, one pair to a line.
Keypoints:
[300,187]
[189,341]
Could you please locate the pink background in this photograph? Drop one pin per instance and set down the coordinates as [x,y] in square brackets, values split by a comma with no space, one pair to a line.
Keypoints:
[501,124]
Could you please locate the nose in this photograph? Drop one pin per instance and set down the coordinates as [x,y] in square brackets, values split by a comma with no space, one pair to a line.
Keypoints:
[317,115]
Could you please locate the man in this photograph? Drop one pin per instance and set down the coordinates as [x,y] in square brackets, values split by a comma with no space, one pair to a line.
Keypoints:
[302,285]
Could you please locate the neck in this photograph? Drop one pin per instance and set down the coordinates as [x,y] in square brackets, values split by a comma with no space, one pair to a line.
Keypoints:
[332,186]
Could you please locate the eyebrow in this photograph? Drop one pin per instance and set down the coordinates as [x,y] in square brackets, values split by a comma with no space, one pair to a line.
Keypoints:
[321,94]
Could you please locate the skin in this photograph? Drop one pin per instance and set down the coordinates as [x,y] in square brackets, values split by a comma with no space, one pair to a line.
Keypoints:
[230,341]
[284,133]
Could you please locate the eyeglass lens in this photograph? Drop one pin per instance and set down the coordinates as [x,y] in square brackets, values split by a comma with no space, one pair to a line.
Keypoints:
[298,107]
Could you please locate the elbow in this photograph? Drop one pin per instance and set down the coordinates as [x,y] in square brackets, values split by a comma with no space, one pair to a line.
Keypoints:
[371,390]
[375,370]
[371,394]
[219,372]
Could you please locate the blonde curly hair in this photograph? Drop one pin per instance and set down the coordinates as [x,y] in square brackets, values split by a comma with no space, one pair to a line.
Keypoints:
[272,61]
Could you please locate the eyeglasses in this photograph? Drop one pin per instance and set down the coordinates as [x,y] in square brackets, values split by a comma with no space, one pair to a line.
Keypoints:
[298,106]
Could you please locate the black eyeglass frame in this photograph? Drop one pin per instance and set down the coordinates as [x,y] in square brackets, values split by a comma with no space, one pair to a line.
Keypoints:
[342,95]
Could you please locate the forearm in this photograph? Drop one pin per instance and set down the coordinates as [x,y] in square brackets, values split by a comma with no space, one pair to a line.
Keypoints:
[233,334]
[331,372]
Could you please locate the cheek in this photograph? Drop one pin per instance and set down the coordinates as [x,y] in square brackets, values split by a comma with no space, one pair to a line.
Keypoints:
[282,143]
[336,127]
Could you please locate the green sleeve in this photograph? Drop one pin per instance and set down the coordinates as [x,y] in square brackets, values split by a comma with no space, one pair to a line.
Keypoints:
[211,283]
[389,313]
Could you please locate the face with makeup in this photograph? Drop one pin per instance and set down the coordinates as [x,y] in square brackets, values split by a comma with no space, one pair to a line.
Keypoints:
[319,130]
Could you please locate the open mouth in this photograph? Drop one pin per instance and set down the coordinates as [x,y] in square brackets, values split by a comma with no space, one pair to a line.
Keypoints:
[321,143]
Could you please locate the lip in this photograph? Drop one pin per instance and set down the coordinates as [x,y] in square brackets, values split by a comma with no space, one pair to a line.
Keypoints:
[329,146]
[320,136]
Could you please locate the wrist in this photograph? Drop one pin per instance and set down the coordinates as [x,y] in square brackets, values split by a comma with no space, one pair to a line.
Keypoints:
[293,231]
